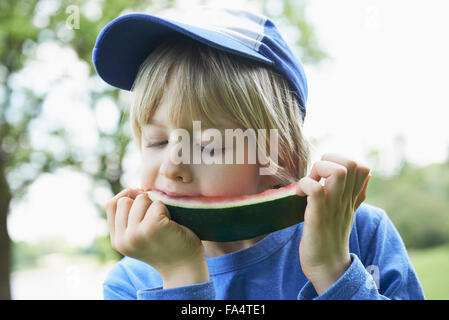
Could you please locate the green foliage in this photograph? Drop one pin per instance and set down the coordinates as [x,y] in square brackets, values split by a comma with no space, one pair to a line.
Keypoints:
[431,266]
[417,201]
[102,250]
[293,13]
[26,255]
[23,256]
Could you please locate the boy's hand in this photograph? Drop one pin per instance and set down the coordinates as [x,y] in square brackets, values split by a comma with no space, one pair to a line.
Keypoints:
[328,218]
[142,229]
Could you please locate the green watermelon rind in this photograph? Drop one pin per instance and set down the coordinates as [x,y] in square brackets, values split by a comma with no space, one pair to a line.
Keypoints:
[224,222]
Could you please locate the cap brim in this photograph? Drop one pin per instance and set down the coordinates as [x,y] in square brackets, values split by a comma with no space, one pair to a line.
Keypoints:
[126,42]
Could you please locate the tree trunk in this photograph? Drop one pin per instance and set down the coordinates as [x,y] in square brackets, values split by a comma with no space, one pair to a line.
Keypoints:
[5,243]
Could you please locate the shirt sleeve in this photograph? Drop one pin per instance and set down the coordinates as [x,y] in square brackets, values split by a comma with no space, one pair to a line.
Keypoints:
[388,275]
[198,291]
[117,285]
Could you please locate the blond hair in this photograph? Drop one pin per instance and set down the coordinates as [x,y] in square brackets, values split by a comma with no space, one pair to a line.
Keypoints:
[212,85]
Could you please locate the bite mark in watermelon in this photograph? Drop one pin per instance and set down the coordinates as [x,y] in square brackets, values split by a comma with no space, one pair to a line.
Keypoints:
[223,219]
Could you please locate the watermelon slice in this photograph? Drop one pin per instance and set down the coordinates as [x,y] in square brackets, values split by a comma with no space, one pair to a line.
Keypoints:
[224,219]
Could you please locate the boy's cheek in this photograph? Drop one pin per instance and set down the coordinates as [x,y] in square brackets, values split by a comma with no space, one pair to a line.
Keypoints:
[147,177]
[234,180]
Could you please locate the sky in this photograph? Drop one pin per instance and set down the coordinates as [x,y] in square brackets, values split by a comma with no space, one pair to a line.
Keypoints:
[388,76]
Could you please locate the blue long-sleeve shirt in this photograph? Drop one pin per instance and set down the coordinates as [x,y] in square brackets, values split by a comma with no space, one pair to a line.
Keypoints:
[270,269]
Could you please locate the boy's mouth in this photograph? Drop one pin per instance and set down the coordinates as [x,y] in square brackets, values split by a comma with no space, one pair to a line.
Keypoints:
[171,193]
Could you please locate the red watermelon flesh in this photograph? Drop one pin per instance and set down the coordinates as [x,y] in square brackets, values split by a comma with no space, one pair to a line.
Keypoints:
[220,201]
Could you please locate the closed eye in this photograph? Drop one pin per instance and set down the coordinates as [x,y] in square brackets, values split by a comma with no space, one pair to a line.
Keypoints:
[212,151]
[157,144]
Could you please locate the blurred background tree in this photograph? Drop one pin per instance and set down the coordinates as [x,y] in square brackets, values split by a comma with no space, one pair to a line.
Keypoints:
[24,26]
[19,38]
[417,201]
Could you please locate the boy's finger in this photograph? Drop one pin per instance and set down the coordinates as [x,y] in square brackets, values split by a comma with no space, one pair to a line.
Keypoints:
[362,175]
[130,193]
[156,213]
[315,194]
[362,195]
[335,175]
[111,207]
[351,167]
[138,209]
[121,216]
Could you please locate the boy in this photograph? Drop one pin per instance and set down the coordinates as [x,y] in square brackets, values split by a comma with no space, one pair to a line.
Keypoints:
[232,69]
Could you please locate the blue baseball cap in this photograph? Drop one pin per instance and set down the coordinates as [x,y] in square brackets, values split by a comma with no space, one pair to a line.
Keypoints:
[125,42]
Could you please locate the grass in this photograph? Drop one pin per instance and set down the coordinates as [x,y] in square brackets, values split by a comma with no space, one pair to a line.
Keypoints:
[432,267]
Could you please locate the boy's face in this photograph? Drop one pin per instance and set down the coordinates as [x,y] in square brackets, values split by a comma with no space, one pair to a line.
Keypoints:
[159,172]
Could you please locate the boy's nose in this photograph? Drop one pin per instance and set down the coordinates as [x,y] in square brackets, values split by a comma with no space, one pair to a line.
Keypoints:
[176,172]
